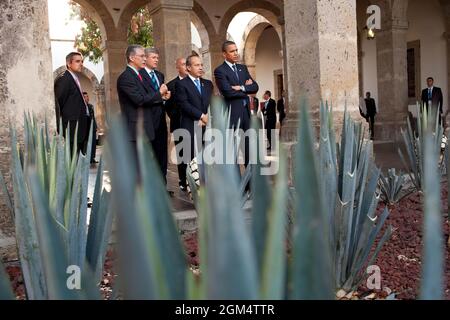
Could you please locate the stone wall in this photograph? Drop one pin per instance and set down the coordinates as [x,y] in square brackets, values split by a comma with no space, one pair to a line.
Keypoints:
[26,79]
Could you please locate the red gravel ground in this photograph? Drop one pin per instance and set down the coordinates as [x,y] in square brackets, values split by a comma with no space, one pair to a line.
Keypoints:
[399,260]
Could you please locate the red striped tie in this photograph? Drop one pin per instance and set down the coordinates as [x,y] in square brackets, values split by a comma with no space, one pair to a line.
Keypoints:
[140,77]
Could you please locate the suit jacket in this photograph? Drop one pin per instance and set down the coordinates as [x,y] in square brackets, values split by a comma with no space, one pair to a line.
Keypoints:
[91,113]
[157,107]
[280,109]
[171,106]
[136,98]
[70,104]
[371,108]
[270,111]
[191,103]
[236,100]
[436,99]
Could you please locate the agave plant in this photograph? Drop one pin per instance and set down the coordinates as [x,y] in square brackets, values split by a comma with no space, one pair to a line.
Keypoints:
[391,186]
[348,185]
[413,141]
[432,285]
[50,210]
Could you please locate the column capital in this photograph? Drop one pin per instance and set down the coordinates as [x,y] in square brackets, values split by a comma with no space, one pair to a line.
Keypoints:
[171,4]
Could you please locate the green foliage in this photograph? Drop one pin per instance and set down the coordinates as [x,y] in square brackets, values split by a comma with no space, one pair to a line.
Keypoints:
[334,226]
[432,285]
[348,186]
[391,186]
[89,41]
[413,139]
[50,210]
[140,30]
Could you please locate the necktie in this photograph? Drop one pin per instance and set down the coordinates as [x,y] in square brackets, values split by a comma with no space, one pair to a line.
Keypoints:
[197,84]
[154,81]
[430,94]
[235,71]
[140,77]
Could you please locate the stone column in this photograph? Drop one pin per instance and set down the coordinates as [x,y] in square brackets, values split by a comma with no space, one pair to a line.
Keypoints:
[252,70]
[392,80]
[100,110]
[171,32]
[447,104]
[322,56]
[114,63]
[216,56]
[206,57]
[26,81]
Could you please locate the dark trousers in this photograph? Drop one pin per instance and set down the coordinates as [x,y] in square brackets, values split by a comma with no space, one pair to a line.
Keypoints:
[371,119]
[181,166]
[159,145]
[270,125]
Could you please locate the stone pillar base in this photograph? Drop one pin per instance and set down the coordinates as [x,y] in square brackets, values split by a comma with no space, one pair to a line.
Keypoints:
[389,131]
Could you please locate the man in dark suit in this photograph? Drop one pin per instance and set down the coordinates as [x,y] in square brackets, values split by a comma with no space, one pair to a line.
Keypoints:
[153,81]
[174,113]
[70,104]
[193,96]
[235,84]
[371,111]
[94,128]
[432,96]
[281,109]
[270,111]
[136,98]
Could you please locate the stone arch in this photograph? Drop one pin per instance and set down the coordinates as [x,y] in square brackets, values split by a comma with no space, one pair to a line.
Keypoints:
[267,9]
[101,16]
[202,22]
[252,32]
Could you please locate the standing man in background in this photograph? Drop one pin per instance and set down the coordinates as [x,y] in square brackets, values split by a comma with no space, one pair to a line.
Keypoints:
[70,104]
[371,111]
[174,112]
[154,81]
[432,97]
[135,97]
[193,97]
[235,84]
[281,108]
[271,116]
[94,128]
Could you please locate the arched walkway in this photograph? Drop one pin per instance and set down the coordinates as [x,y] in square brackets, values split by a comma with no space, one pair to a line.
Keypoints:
[264,8]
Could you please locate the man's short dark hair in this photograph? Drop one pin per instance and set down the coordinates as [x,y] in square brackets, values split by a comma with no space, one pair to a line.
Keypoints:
[131,51]
[430,78]
[367,93]
[70,57]
[84,92]
[189,59]
[268,93]
[226,44]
